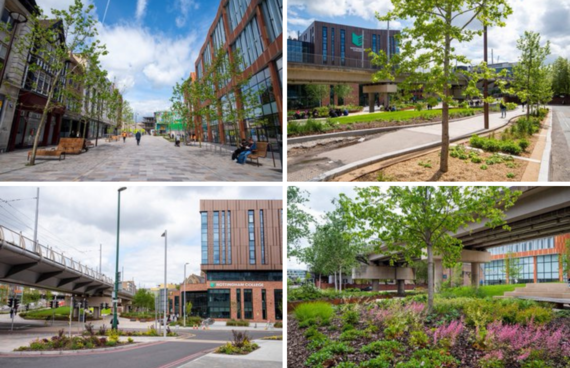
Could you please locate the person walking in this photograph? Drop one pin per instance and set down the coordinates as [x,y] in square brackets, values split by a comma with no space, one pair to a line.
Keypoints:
[124,137]
[138,137]
[503,109]
[177,140]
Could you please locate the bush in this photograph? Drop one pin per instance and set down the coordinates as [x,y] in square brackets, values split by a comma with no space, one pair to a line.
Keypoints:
[278,324]
[241,322]
[317,312]
[429,359]
[511,147]
[523,144]
[383,346]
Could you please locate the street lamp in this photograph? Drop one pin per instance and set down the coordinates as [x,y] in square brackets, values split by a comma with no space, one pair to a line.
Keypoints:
[116,293]
[184,296]
[165,287]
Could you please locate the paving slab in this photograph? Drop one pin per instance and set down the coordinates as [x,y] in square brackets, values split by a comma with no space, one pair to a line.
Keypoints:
[269,355]
[155,160]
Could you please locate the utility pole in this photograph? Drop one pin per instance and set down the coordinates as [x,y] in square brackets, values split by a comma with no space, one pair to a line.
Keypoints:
[165,285]
[36,225]
[485,82]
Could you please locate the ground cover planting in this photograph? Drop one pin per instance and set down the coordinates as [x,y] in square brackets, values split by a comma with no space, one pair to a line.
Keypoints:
[373,120]
[241,345]
[64,342]
[461,332]
[310,292]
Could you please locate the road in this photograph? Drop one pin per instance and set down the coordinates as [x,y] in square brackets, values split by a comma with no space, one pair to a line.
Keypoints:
[560,155]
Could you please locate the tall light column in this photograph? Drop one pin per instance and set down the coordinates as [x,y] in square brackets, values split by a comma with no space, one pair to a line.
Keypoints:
[184,296]
[165,286]
[116,294]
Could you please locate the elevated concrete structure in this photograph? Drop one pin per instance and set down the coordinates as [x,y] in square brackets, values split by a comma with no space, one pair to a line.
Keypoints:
[24,263]
[553,293]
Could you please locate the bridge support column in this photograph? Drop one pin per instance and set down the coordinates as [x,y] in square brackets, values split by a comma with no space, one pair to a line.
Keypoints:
[401,287]
[375,285]
[96,312]
[371,102]
[475,274]
[438,273]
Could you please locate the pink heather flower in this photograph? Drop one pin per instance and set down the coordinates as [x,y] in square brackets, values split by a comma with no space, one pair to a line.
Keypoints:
[524,355]
[450,331]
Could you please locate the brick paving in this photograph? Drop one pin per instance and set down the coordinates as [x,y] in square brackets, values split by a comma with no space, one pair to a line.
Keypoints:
[155,160]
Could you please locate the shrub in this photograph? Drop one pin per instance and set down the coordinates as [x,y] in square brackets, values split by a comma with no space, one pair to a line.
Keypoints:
[511,148]
[353,335]
[419,339]
[534,314]
[278,324]
[241,322]
[351,317]
[523,144]
[429,359]
[382,361]
[317,312]
[446,335]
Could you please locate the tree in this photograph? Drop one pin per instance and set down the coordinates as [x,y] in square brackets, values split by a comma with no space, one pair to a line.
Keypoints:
[561,76]
[189,308]
[428,57]
[420,271]
[511,268]
[317,92]
[297,219]
[409,222]
[566,259]
[529,74]
[342,91]
[456,277]
[73,31]
[144,300]
[30,296]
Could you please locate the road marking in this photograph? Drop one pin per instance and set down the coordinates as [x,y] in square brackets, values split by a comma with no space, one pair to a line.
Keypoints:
[186,359]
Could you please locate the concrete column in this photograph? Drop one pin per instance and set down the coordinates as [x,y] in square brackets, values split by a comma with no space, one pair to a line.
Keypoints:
[96,312]
[371,102]
[375,285]
[438,273]
[475,274]
[401,287]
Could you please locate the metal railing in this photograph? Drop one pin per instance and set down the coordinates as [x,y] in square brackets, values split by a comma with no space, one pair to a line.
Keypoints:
[20,241]
[327,60]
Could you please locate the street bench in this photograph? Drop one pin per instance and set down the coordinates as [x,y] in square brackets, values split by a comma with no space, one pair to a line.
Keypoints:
[72,145]
[48,153]
[113,138]
[260,152]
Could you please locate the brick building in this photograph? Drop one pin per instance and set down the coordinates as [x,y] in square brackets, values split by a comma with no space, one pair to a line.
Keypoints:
[254,27]
[337,45]
[241,263]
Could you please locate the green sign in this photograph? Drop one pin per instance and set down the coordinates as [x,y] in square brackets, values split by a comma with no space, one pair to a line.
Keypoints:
[357,40]
[212,284]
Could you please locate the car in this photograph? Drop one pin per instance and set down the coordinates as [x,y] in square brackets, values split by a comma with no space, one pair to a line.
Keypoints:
[368,288]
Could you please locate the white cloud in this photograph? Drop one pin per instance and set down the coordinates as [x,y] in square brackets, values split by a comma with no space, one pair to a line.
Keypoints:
[141,9]
[183,8]
[149,107]
[336,8]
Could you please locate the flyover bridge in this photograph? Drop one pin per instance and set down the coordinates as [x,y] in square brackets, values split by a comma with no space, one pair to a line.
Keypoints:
[26,263]
[539,212]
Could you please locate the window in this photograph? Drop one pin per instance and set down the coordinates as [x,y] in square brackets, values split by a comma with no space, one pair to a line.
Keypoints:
[238,302]
[278,304]
[332,45]
[207,56]
[251,231]
[263,305]
[236,10]
[204,216]
[223,237]
[6,18]
[262,236]
[547,268]
[273,14]
[216,237]
[219,36]
[245,276]
[247,304]
[342,46]
[374,49]
[324,45]
[229,238]
[249,43]
[219,303]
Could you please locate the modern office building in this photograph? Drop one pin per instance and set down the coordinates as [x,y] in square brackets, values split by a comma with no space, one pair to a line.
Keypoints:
[295,275]
[242,262]
[254,28]
[539,260]
[337,46]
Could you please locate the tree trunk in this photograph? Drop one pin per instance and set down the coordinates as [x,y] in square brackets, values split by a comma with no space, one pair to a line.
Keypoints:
[335,285]
[340,278]
[44,117]
[444,167]
[430,277]
[320,279]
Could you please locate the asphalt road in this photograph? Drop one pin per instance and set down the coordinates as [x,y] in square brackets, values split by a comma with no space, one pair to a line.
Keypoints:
[159,355]
[560,155]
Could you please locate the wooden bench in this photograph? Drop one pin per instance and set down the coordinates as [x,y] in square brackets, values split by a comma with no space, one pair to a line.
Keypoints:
[54,152]
[259,152]
[113,138]
[72,145]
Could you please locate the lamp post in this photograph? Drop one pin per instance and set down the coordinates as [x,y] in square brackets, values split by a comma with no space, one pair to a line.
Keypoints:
[116,293]
[485,82]
[165,286]
[184,296]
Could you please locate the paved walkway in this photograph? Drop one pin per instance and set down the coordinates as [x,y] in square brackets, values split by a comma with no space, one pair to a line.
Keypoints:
[560,156]
[155,159]
[312,166]
[269,355]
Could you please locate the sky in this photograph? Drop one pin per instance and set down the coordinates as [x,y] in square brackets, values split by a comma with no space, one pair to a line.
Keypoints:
[76,219]
[547,17]
[152,44]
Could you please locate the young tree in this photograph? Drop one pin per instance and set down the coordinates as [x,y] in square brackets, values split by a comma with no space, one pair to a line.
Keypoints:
[342,91]
[511,268]
[76,26]
[409,222]
[456,277]
[529,74]
[566,259]
[144,300]
[428,57]
[297,219]
[317,92]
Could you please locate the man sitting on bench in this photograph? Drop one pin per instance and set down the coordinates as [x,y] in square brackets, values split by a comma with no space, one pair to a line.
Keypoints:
[251,146]
[242,147]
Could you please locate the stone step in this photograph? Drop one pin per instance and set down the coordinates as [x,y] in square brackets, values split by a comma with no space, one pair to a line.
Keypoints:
[538,294]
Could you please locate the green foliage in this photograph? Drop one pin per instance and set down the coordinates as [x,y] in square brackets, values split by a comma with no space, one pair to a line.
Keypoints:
[427,164]
[241,322]
[407,116]
[419,339]
[297,219]
[353,335]
[484,167]
[316,312]
[382,361]
[351,317]
[496,145]
[317,92]
[535,314]
[430,359]
[144,299]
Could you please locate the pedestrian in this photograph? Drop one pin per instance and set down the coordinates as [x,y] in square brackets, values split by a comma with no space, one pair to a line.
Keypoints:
[177,140]
[503,109]
[124,137]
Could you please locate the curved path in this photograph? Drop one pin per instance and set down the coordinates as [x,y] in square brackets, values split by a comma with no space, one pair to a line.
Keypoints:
[560,155]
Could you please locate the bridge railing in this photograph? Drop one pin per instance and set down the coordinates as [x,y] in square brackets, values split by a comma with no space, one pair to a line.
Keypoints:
[17,239]
[328,60]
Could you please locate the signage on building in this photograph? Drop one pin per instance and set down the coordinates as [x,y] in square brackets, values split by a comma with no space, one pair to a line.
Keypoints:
[357,40]
[235,284]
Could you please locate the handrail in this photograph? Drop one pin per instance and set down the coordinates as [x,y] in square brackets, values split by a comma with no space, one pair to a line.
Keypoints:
[17,239]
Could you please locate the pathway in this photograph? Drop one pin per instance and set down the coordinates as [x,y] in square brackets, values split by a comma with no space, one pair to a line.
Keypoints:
[560,156]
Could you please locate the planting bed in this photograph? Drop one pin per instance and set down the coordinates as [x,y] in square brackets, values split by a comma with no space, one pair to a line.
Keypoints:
[461,332]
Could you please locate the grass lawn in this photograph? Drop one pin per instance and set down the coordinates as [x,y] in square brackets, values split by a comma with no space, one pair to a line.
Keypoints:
[481,292]
[61,311]
[401,116]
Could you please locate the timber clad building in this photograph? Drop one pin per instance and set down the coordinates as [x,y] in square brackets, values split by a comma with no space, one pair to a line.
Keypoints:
[254,28]
[242,262]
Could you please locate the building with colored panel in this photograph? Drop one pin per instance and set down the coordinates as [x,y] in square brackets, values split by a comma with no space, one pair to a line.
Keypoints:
[539,260]
[241,261]
[254,29]
[339,46]
[167,122]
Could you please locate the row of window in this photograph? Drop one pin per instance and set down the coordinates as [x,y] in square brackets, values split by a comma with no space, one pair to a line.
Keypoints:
[547,269]
[249,44]
[245,276]
[537,244]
